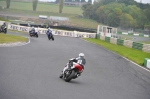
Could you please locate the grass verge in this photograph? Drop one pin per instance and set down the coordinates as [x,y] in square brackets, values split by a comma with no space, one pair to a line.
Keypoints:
[46,7]
[134,55]
[5,38]
[74,13]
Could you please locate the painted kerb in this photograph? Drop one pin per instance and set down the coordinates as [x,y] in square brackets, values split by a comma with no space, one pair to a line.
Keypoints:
[147,62]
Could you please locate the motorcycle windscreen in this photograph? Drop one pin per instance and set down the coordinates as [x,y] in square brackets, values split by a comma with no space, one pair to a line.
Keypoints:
[78,67]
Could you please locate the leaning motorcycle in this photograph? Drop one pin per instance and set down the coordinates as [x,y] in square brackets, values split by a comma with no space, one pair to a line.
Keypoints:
[50,36]
[3,29]
[31,33]
[72,73]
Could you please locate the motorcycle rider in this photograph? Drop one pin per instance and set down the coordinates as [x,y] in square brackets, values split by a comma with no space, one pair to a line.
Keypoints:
[49,31]
[33,30]
[79,60]
[4,25]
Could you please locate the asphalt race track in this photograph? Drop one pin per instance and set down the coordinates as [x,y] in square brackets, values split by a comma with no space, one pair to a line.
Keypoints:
[32,72]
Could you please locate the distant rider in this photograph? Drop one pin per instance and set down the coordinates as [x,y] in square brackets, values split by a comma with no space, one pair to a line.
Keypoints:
[4,25]
[49,31]
[33,30]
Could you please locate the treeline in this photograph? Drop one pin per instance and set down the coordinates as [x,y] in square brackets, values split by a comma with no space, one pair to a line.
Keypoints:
[119,13]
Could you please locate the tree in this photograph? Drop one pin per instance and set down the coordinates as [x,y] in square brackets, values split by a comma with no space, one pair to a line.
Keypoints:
[104,12]
[124,13]
[141,20]
[61,2]
[133,10]
[147,26]
[88,11]
[77,0]
[147,13]
[57,1]
[34,4]
[89,1]
[114,17]
[82,0]
[126,21]
[127,2]
[100,14]
[107,1]
[7,3]
[70,0]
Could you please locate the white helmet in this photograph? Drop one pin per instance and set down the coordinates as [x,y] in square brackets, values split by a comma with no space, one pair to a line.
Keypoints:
[81,55]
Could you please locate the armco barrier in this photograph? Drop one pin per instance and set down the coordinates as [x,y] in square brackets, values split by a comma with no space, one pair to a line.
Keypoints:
[55,32]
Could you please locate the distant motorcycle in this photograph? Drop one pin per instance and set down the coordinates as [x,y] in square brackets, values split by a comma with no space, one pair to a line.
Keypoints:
[50,36]
[3,29]
[72,73]
[34,34]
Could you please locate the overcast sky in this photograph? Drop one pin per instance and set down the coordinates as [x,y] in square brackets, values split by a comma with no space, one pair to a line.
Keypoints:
[143,1]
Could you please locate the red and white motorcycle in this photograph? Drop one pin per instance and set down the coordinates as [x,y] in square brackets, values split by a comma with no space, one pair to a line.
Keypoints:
[72,73]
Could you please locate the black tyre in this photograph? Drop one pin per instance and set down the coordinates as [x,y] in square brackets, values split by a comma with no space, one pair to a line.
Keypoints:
[52,38]
[49,37]
[36,35]
[61,75]
[5,31]
[67,79]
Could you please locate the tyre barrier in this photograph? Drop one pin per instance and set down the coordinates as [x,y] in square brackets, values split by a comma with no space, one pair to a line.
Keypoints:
[127,43]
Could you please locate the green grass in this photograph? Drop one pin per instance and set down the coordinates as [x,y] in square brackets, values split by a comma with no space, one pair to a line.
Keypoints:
[5,38]
[136,56]
[46,7]
[74,13]
[2,19]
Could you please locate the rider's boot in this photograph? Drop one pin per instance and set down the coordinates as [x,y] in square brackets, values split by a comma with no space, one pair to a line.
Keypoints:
[61,74]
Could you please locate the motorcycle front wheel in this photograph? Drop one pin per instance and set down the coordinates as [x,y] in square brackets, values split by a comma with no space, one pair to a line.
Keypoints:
[48,37]
[67,79]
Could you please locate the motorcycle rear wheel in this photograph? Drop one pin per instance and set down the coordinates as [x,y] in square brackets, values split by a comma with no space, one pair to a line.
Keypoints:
[52,38]
[36,35]
[30,35]
[5,31]
[48,38]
